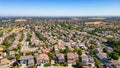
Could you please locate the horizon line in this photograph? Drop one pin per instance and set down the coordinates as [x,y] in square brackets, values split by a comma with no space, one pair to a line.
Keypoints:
[65,16]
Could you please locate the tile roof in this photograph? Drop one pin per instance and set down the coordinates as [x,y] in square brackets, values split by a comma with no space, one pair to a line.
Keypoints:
[42,57]
[26,57]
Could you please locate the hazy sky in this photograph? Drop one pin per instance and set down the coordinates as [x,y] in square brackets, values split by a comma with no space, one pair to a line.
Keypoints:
[59,7]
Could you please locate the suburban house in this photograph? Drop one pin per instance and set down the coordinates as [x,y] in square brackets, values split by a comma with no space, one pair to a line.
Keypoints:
[72,57]
[102,57]
[113,64]
[42,58]
[59,47]
[60,57]
[35,42]
[1,40]
[4,63]
[88,61]
[28,60]
[12,53]
[2,54]
[15,43]
[47,50]
[98,50]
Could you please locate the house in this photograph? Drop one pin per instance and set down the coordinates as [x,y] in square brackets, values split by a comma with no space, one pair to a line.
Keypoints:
[2,54]
[59,47]
[25,49]
[15,43]
[26,43]
[1,40]
[72,57]
[28,60]
[98,50]
[82,45]
[52,41]
[13,61]
[47,50]
[97,43]
[12,53]
[35,42]
[60,58]
[88,61]
[4,63]
[112,64]
[102,57]
[2,47]
[109,49]
[42,58]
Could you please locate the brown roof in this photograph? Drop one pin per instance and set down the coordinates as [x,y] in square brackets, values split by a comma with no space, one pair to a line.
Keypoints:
[26,57]
[60,47]
[12,52]
[42,57]
[16,42]
[72,55]
[4,61]
[46,50]
[60,56]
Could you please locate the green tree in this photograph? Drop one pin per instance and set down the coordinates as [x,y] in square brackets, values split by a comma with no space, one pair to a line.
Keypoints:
[114,55]
[51,54]
[1,34]
[47,65]
[92,53]
[92,47]
[40,36]
[22,37]
[105,50]
[97,63]
[6,43]
[79,52]
[18,56]
[79,64]
[28,37]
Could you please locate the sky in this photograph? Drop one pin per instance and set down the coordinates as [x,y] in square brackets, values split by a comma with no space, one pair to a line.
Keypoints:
[59,7]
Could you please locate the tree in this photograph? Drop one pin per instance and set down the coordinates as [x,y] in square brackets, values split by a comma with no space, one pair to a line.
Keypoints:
[19,46]
[64,64]
[105,50]
[114,55]
[92,53]
[6,43]
[1,34]
[77,49]
[28,37]
[79,52]
[51,54]
[92,47]
[14,67]
[79,64]
[8,40]
[47,65]
[22,36]
[97,63]
[18,56]
[40,36]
